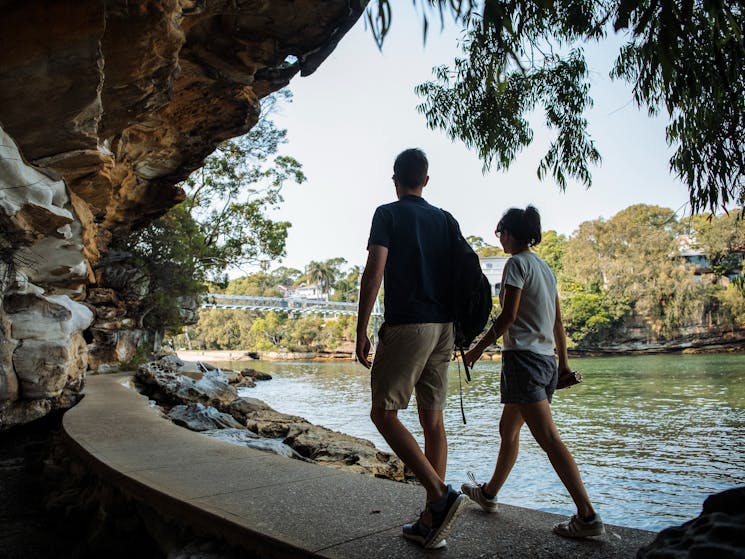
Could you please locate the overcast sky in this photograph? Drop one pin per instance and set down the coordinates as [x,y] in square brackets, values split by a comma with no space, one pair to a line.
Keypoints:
[350,118]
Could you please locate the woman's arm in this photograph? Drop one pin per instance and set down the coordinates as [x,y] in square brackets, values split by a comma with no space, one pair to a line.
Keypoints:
[560,340]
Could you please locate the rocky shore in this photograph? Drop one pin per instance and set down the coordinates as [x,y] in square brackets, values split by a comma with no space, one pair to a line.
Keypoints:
[201,397]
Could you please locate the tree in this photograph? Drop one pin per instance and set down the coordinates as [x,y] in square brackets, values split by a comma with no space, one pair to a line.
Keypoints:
[684,58]
[631,260]
[551,249]
[482,248]
[722,239]
[347,288]
[263,284]
[222,222]
[323,274]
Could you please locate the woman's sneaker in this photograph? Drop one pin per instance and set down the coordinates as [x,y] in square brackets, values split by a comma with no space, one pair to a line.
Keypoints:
[475,492]
[575,527]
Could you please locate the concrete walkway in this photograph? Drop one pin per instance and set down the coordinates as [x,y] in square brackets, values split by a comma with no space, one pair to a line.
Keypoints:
[279,507]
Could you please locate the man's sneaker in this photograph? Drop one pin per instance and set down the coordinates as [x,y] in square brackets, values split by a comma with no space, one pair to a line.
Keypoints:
[475,492]
[444,514]
[575,527]
[417,532]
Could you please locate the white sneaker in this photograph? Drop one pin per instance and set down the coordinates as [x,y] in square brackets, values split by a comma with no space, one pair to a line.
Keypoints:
[475,492]
[575,527]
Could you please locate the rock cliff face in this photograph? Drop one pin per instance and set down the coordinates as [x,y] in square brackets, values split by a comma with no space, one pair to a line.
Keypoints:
[105,106]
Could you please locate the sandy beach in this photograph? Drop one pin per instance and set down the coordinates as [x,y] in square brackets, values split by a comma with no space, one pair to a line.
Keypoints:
[214,355]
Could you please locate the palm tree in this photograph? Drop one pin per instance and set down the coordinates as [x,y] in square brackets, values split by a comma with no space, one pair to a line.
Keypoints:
[324,274]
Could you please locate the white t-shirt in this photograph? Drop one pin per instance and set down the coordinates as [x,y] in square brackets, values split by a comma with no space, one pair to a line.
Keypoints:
[533,329]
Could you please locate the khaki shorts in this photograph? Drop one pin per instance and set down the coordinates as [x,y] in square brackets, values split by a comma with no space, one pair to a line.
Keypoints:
[408,357]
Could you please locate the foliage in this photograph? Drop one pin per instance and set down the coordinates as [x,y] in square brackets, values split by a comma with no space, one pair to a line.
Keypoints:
[482,248]
[168,250]
[616,274]
[592,317]
[551,249]
[270,331]
[681,57]
[222,223]
[263,284]
[324,274]
[722,239]
[347,288]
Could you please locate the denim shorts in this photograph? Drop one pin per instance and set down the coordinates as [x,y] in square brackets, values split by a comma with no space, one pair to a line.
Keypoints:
[527,377]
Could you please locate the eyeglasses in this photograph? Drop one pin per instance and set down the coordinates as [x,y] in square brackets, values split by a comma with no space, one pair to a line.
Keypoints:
[498,233]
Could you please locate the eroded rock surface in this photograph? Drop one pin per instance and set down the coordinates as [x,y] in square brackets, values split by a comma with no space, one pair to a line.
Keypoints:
[105,106]
[163,383]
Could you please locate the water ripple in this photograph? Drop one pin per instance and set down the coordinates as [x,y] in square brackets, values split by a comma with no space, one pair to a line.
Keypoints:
[653,436]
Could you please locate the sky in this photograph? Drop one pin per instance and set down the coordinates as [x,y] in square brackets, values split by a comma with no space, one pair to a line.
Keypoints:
[349,120]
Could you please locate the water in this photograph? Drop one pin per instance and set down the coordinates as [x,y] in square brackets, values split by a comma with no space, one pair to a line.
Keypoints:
[652,435]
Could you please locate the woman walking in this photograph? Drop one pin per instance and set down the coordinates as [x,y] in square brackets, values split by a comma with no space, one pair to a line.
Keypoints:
[530,323]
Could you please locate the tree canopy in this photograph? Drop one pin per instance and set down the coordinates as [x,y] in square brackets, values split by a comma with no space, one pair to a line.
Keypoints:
[682,58]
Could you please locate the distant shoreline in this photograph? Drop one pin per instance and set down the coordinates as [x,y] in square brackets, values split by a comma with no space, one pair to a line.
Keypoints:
[227,356]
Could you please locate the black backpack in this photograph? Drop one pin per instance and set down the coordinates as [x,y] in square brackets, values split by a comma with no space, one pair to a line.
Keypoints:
[470,292]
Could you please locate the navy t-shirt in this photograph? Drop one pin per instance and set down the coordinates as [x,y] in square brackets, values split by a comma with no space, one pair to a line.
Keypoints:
[417,270]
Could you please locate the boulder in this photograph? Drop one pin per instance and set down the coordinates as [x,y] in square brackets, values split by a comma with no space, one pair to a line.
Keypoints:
[162,381]
[198,417]
[271,423]
[342,451]
[256,375]
[242,408]
[719,531]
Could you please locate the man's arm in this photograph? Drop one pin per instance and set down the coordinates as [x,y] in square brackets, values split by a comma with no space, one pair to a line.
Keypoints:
[372,277]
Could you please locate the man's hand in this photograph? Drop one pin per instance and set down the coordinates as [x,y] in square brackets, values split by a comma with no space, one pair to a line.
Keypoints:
[363,350]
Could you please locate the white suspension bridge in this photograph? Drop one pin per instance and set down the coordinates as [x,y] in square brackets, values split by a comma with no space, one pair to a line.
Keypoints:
[291,306]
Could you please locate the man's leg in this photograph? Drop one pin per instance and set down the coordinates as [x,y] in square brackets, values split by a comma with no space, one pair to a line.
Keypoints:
[542,426]
[435,440]
[509,431]
[406,448]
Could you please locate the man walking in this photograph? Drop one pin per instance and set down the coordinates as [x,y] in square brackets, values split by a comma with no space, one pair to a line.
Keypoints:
[409,247]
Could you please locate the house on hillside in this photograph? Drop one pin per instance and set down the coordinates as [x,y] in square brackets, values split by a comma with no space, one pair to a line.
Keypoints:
[696,260]
[312,291]
[493,266]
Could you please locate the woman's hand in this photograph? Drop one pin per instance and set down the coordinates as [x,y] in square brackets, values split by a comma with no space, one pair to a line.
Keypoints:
[473,355]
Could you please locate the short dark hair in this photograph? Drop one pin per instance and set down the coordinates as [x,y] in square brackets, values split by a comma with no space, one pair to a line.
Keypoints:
[410,168]
[524,225]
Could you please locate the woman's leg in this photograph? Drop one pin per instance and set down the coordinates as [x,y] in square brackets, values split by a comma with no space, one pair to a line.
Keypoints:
[509,431]
[541,424]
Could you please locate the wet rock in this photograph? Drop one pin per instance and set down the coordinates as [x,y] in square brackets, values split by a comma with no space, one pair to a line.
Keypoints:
[238,380]
[244,437]
[718,532]
[198,417]
[256,375]
[162,381]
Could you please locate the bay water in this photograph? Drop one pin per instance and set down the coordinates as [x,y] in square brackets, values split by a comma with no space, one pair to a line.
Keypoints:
[653,435]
